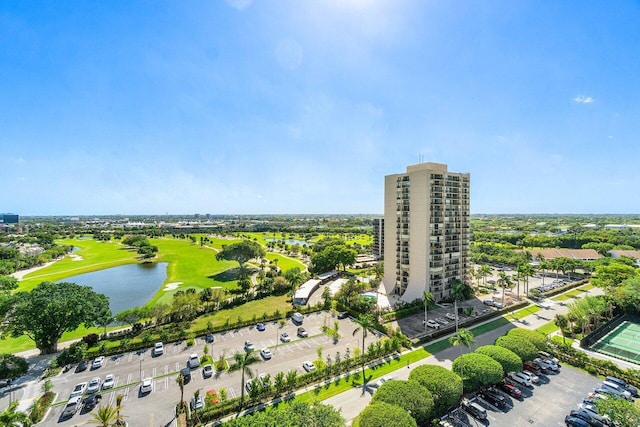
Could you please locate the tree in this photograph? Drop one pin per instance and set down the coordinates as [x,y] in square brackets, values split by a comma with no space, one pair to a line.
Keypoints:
[410,396]
[485,271]
[12,366]
[11,417]
[562,322]
[478,370]
[365,323]
[519,346]
[242,362]
[180,382]
[241,252]
[104,416]
[462,338]
[444,385]
[623,413]
[505,357]
[292,415]
[611,276]
[536,338]
[381,414]
[49,310]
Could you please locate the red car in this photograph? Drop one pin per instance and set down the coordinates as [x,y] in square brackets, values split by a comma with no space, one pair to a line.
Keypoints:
[531,367]
[510,388]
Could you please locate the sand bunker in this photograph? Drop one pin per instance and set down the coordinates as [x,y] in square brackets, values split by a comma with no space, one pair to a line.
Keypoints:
[75,257]
[172,286]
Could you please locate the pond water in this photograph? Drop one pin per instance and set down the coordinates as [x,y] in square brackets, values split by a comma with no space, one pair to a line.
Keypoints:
[126,286]
[289,241]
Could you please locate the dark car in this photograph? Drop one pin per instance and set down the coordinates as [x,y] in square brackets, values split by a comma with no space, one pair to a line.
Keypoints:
[90,402]
[575,422]
[474,409]
[82,366]
[260,327]
[343,315]
[532,367]
[209,338]
[591,418]
[510,388]
[494,397]
[186,374]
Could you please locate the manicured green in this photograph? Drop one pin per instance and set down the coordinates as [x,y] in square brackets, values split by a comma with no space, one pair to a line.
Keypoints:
[524,312]
[547,328]
[246,311]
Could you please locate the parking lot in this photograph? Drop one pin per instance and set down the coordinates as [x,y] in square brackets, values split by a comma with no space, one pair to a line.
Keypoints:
[157,407]
[544,404]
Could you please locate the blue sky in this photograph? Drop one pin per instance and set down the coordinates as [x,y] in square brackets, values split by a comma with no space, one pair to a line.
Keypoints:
[244,106]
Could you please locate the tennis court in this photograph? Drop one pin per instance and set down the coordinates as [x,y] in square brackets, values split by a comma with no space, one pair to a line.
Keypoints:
[623,342]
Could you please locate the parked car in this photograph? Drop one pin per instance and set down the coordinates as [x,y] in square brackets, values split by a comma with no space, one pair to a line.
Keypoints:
[343,315]
[570,421]
[146,386]
[248,345]
[548,356]
[616,389]
[158,349]
[302,332]
[263,378]
[72,406]
[520,378]
[494,397]
[433,324]
[207,371]
[489,302]
[593,419]
[546,364]
[474,409]
[622,383]
[265,353]
[97,362]
[510,389]
[209,338]
[82,366]
[90,402]
[186,375]
[308,366]
[284,337]
[196,404]
[381,381]
[94,385]
[194,361]
[109,382]
[532,367]
[297,318]
[78,390]
[261,327]
[450,316]
[532,377]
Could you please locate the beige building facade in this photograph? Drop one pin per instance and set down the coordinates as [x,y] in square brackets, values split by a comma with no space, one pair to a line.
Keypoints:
[426,231]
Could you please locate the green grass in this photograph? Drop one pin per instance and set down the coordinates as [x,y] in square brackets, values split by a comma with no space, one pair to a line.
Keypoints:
[548,328]
[524,312]
[246,311]
[494,324]
[286,263]
[586,287]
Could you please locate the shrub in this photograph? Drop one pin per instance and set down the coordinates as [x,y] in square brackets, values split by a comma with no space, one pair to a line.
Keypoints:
[534,337]
[91,339]
[12,366]
[519,346]
[505,357]
[478,370]
[409,395]
[190,342]
[381,414]
[444,385]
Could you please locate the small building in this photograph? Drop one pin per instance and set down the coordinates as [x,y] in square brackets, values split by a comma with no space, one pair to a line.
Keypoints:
[303,293]
[618,253]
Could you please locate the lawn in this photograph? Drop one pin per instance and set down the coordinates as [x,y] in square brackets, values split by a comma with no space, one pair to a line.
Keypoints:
[517,315]
[246,311]
[548,328]
[286,263]
[95,256]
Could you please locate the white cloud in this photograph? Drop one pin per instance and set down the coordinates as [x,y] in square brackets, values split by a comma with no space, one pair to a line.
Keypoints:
[583,99]
[240,4]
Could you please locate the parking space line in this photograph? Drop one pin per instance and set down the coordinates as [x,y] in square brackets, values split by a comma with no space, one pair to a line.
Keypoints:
[130,357]
[177,366]
[126,394]
[153,372]
[232,392]
[129,378]
[166,383]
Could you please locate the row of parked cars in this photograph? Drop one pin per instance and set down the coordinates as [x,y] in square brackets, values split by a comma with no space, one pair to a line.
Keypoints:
[587,415]
[495,395]
[553,284]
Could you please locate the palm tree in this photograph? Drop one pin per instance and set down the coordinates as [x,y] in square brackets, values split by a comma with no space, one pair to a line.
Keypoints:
[104,416]
[527,271]
[119,418]
[10,417]
[504,281]
[462,338]
[561,322]
[365,323]
[196,396]
[428,301]
[242,362]
[180,382]
[542,265]
[485,270]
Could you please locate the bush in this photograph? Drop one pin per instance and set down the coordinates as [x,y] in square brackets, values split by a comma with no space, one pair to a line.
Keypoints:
[444,385]
[519,346]
[534,337]
[381,414]
[41,407]
[410,396]
[505,357]
[190,342]
[91,339]
[72,354]
[12,366]
[478,371]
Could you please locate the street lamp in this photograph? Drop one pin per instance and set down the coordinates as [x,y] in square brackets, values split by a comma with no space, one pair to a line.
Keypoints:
[141,359]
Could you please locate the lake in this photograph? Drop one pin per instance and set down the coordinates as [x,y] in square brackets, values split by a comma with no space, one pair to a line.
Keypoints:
[126,286]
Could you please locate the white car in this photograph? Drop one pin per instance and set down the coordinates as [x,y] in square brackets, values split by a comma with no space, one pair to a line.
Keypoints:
[450,316]
[97,362]
[263,378]
[433,324]
[381,381]
[266,353]
[78,390]
[207,371]
[248,345]
[545,364]
[308,366]
[248,385]
[520,378]
[94,385]
[146,386]
[284,337]
[109,382]
[194,361]
[158,349]
[532,377]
